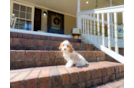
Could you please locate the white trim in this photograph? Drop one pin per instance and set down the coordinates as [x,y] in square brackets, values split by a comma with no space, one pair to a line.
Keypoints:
[40,33]
[111,53]
[44,8]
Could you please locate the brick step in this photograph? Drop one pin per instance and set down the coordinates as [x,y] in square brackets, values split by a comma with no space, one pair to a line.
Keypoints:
[41,37]
[34,58]
[33,44]
[61,77]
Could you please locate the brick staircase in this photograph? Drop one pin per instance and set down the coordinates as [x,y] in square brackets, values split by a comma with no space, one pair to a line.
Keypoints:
[36,62]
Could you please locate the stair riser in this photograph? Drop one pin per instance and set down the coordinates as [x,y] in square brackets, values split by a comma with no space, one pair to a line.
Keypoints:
[41,37]
[61,77]
[33,44]
[31,58]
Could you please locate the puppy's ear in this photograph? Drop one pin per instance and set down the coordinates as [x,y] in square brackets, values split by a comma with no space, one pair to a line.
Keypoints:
[60,46]
[70,48]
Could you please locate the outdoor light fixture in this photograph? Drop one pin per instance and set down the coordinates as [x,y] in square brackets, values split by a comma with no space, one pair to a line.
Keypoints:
[13,14]
[86,2]
[44,13]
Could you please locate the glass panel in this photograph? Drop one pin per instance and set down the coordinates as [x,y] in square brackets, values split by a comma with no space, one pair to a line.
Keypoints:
[16,13]
[29,10]
[23,8]
[15,6]
[28,25]
[22,15]
[22,24]
[28,16]
[17,24]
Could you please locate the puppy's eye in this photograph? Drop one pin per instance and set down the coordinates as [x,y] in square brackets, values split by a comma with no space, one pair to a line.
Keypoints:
[67,46]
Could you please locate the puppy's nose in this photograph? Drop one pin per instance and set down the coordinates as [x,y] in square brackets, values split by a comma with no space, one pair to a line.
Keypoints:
[64,49]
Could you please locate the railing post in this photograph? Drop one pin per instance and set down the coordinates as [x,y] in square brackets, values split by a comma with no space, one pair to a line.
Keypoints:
[111,21]
[116,32]
[90,26]
[108,27]
[94,28]
[98,27]
[103,31]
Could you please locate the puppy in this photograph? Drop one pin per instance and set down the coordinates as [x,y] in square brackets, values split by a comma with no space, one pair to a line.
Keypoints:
[71,56]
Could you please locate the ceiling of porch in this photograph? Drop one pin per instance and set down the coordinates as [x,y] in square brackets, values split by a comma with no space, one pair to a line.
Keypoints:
[70,6]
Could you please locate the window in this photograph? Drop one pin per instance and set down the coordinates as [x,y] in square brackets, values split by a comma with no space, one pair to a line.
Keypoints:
[23,15]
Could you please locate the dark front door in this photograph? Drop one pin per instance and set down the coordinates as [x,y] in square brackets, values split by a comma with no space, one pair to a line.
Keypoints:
[55,23]
[37,19]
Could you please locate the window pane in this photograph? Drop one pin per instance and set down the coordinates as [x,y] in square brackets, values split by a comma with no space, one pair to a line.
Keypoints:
[17,24]
[28,25]
[16,13]
[22,24]
[15,6]
[28,16]
[29,10]
[22,15]
[23,8]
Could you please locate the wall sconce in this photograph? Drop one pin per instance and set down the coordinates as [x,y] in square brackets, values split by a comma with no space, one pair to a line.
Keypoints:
[87,2]
[44,13]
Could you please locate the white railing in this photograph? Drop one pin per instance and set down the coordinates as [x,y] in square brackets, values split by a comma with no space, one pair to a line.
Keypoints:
[87,15]
[92,18]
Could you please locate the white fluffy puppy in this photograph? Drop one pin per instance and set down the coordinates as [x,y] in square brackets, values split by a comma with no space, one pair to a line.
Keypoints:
[71,56]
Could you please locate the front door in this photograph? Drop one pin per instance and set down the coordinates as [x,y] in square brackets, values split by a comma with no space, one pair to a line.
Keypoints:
[37,19]
[55,23]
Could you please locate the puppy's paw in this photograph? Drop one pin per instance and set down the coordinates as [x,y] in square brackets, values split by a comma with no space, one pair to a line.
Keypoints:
[68,66]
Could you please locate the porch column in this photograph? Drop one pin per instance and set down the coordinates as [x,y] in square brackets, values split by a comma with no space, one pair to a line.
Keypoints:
[78,19]
[111,21]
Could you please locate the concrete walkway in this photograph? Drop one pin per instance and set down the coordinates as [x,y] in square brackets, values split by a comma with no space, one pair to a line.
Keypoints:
[115,84]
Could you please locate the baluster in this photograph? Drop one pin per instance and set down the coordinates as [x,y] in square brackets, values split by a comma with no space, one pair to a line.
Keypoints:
[116,32]
[94,28]
[90,26]
[108,27]
[98,27]
[83,25]
[123,23]
[103,31]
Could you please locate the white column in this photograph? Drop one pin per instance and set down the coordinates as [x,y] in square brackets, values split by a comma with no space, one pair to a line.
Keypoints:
[90,27]
[111,21]
[98,28]
[94,28]
[108,28]
[78,20]
[103,31]
[116,32]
